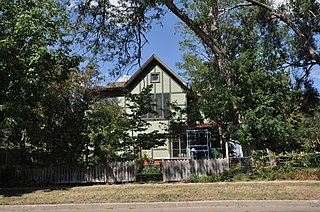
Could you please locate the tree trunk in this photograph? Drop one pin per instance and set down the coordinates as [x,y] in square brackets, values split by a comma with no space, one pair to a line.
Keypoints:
[211,40]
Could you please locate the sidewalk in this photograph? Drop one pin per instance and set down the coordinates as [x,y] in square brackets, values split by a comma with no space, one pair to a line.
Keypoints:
[222,206]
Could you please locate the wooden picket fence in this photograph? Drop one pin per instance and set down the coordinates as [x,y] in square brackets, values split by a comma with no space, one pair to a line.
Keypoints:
[108,173]
[181,170]
[122,172]
[113,172]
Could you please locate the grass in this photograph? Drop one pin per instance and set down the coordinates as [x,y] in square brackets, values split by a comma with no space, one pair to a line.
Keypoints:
[162,192]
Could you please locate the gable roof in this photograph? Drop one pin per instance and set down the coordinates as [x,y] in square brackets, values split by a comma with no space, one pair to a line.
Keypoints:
[121,88]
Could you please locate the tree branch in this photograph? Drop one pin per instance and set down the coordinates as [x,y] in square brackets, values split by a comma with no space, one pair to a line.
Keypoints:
[302,37]
[193,26]
[205,38]
[223,10]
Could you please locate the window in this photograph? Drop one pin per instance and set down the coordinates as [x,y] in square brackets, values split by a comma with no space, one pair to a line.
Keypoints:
[179,148]
[159,106]
[162,106]
[155,77]
[166,104]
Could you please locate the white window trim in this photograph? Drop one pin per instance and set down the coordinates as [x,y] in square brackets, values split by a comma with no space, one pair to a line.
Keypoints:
[155,81]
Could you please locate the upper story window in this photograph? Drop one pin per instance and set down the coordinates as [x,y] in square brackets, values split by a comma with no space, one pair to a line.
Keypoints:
[155,77]
[162,107]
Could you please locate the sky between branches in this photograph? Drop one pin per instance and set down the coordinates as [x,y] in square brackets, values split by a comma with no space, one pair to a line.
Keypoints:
[167,47]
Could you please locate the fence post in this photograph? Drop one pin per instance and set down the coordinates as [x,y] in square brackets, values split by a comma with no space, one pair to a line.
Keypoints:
[188,169]
[135,170]
[164,171]
[227,152]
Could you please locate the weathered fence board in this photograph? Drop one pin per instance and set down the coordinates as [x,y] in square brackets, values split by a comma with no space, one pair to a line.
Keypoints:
[62,175]
[111,172]
[173,170]
[179,170]
[122,172]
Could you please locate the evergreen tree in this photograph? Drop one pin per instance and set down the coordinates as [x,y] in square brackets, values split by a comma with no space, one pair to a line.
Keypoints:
[139,106]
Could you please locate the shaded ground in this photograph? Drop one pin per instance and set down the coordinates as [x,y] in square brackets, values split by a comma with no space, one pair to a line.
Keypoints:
[177,192]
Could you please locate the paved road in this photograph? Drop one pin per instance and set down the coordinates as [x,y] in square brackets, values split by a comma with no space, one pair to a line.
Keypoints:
[206,206]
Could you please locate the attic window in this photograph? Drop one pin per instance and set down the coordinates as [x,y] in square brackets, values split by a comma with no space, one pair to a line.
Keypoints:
[155,77]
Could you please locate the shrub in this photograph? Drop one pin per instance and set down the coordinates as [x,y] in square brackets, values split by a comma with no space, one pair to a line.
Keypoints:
[286,166]
[153,170]
[280,167]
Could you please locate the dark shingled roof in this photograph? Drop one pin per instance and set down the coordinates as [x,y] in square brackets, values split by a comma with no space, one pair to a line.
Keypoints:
[121,88]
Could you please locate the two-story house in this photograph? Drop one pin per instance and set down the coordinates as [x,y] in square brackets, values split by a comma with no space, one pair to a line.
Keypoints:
[167,87]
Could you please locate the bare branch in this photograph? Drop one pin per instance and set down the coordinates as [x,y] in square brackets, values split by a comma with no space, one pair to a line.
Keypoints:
[224,10]
[314,16]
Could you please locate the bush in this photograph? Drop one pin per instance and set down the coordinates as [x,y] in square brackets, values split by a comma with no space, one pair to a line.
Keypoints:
[285,166]
[153,170]
[148,169]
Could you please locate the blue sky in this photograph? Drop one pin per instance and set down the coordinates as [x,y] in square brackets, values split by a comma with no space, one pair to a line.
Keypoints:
[164,42]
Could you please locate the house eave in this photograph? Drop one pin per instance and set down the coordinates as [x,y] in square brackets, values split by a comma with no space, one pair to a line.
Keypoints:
[145,69]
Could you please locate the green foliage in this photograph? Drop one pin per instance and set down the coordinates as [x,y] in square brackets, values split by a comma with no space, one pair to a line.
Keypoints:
[306,131]
[283,166]
[140,105]
[286,166]
[152,170]
[304,15]
[106,130]
[177,124]
[34,60]
[256,108]
[48,104]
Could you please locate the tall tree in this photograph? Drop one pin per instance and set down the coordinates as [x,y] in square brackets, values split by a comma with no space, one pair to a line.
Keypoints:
[65,112]
[33,54]
[260,90]
[258,55]
[303,19]
[244,43]
[121,28]
[107,132]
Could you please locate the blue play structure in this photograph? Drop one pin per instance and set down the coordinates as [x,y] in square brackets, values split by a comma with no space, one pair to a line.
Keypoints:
[202,143]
